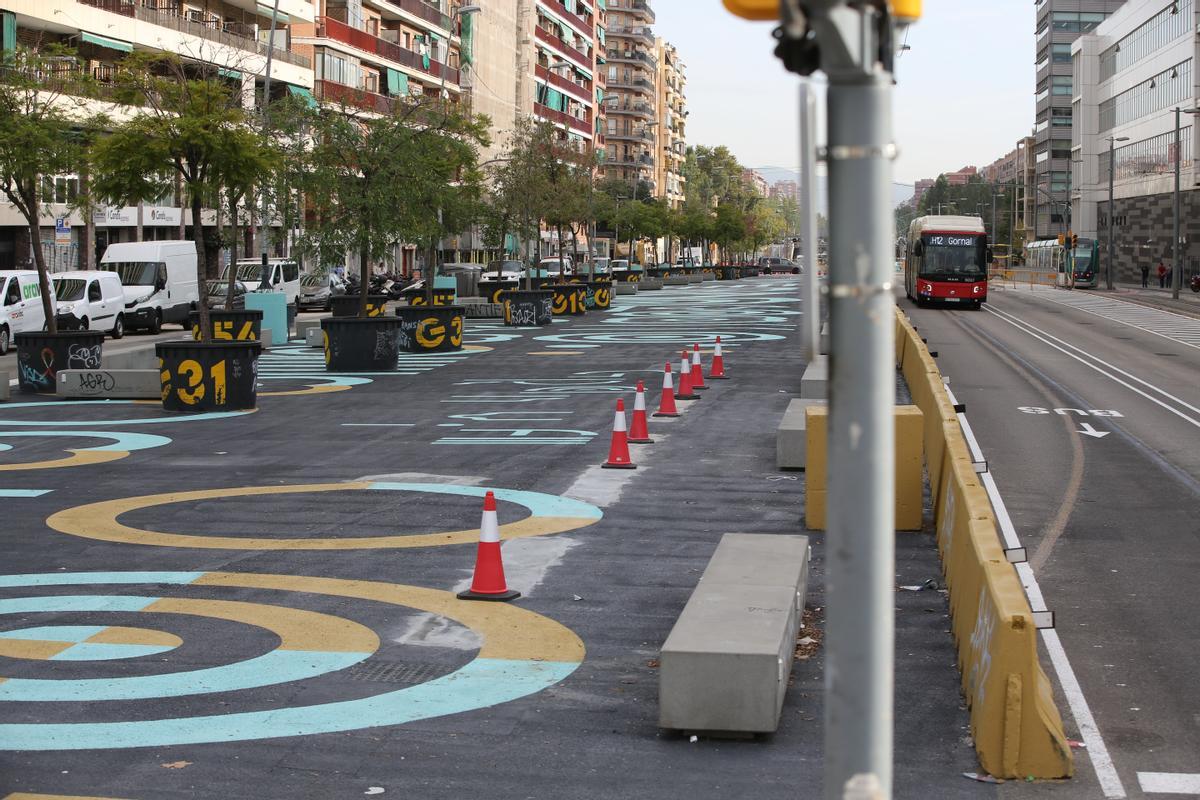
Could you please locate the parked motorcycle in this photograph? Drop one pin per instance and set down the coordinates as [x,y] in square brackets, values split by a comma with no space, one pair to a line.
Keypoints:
[1195,283]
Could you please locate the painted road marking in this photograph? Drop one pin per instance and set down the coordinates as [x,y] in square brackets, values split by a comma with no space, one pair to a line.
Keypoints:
[549,514]
[122,445]
[1106,370]
[25,423]
[24,493]
[85,642]
[310,644]
[1169,782]
[28,796]
[521,653]
[1166,324]
[1102,763]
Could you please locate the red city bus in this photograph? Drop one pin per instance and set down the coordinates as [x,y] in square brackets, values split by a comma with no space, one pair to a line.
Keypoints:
[947,261]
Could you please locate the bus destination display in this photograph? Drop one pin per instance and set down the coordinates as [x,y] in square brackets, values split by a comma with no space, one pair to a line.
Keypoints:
[944,240]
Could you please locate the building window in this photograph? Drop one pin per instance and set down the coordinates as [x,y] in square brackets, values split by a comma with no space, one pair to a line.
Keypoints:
[1153,156]
[1060,117]
[1060,53]
[1060,85]
[1076,21]
[1173,21]
[1168,87]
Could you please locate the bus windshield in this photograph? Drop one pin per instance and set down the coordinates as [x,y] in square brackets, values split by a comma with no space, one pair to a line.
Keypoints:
[953,256]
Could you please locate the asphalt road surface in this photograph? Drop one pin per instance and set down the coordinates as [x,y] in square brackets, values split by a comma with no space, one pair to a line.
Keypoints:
[1088,412]
[287,628]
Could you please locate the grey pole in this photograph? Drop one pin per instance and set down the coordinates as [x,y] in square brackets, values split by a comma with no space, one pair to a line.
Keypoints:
[265,280]
[1176,252]
[1112,171]
[808,218]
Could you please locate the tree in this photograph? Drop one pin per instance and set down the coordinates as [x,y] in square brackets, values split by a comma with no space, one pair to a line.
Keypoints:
[38,138]
[729,227]
[372,181]
[191,123]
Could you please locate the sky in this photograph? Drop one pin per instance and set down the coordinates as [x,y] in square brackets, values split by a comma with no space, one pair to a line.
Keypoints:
[964,94]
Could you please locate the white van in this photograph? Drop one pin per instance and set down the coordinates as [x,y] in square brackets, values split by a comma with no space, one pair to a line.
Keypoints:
[90,300]
[159,279]
[20,305]
[285,275]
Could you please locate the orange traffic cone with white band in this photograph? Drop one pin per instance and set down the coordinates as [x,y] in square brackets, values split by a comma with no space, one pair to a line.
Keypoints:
[697,371]
[639,430]
[666,405]
[716,372]
[685,382]
[618,451]
[488,582]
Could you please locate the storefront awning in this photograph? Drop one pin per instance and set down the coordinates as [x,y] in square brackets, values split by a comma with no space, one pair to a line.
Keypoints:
[104,41]
[268,11]
[300,91]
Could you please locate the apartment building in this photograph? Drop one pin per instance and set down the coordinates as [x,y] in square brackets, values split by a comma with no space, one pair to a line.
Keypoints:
[788,190]
[1131,73]
[755,182]
[1058,24]
[564,38]
[232,37]
[671,130]
[632,94]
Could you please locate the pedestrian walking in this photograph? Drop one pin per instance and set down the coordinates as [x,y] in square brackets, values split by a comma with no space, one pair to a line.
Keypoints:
[1162,275]
[1145,276]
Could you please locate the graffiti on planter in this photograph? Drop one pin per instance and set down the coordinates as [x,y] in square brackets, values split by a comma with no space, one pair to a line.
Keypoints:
[42,377]
[96,382]
[82,356]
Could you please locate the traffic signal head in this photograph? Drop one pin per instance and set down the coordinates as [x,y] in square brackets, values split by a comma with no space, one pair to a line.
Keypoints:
[1074,240]
[1062,239]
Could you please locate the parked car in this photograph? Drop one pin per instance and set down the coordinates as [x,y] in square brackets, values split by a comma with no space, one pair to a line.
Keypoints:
[90,300]
[218,291]
[285,275]
[510,270]
[771,264]
[317,291]
[553,267]
[20,305]
[159,279]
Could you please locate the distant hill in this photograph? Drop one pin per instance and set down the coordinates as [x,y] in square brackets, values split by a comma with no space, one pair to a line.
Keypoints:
[900,191]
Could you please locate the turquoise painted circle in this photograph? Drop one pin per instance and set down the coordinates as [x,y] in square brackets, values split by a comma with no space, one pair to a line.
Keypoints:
[679,336]
[77,646]
[107,422]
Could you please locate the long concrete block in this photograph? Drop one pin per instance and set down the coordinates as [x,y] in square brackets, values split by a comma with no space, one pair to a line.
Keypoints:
[5,391]
[110,384]
[625,287]
[708,276]
[303,326]
[676,280]
[791,437]
[814,384]
[140,357]
[314,337]
[726,662]
[650,284]
[695,277]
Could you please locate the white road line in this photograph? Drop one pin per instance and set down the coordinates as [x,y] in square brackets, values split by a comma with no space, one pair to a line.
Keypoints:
[1169,782]
[1168,325]
[1102,763]
[1051,340]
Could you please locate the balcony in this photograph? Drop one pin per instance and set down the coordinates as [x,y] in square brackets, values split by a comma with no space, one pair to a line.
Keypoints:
[341,94]
[632,32]
[632,84]
[643,110]
[341,32]
[426,12]
[549,38]
[582,93]
[641,161]
[563,118]
[224,33]
[560,9]
[633,56]
[631,135]
[642,9]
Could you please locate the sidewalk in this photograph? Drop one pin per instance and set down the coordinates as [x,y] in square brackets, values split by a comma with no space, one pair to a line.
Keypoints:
[1188,302]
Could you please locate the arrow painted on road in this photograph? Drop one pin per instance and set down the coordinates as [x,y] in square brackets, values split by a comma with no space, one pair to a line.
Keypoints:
[1088,430]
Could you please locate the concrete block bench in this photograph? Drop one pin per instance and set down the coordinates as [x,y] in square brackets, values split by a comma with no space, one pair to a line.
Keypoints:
[650,284]
[624,287]
[791,437]
[676,280]
[708,276]
[814,384]
[314,337]
[725,665]
[110,384]
[695,277]
[303,326]
[140,357]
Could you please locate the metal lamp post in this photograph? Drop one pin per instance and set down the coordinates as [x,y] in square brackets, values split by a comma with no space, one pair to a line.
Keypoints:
[1112,172]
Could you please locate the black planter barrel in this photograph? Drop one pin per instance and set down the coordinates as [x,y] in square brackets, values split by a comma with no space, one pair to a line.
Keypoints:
[570,299]
[356,344]
[237,325]
[602,293]
[41,356]
[492,290]
[431,330]
[658,272]
[209,376]
[417,297]
[532,308]
[347,305]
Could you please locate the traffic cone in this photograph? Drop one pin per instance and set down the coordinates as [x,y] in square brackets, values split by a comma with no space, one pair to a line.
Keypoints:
[618,451]
[716,372]
[488,582]
[697,371]
[666,405]
[639,430]
[685,382]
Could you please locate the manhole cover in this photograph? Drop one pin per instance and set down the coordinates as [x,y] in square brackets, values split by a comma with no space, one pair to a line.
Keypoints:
[397,672]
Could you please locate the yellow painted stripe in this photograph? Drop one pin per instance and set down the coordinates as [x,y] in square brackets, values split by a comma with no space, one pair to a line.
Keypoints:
[38,649]
[99,521]
[324,388]
[297,629]
[29,796]
[79,459]
[508,631]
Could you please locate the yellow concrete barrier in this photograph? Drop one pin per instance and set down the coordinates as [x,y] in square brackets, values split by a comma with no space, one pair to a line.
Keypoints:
[1014,720]
[908,467]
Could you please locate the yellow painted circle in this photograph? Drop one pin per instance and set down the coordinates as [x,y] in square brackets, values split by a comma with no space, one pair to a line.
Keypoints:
[100,521]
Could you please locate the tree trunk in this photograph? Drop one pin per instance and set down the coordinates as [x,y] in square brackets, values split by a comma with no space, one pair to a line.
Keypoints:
[364,279]
[562,277]
[39,260]
[201,269]
[89,223]
[180,203]
[233,249]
